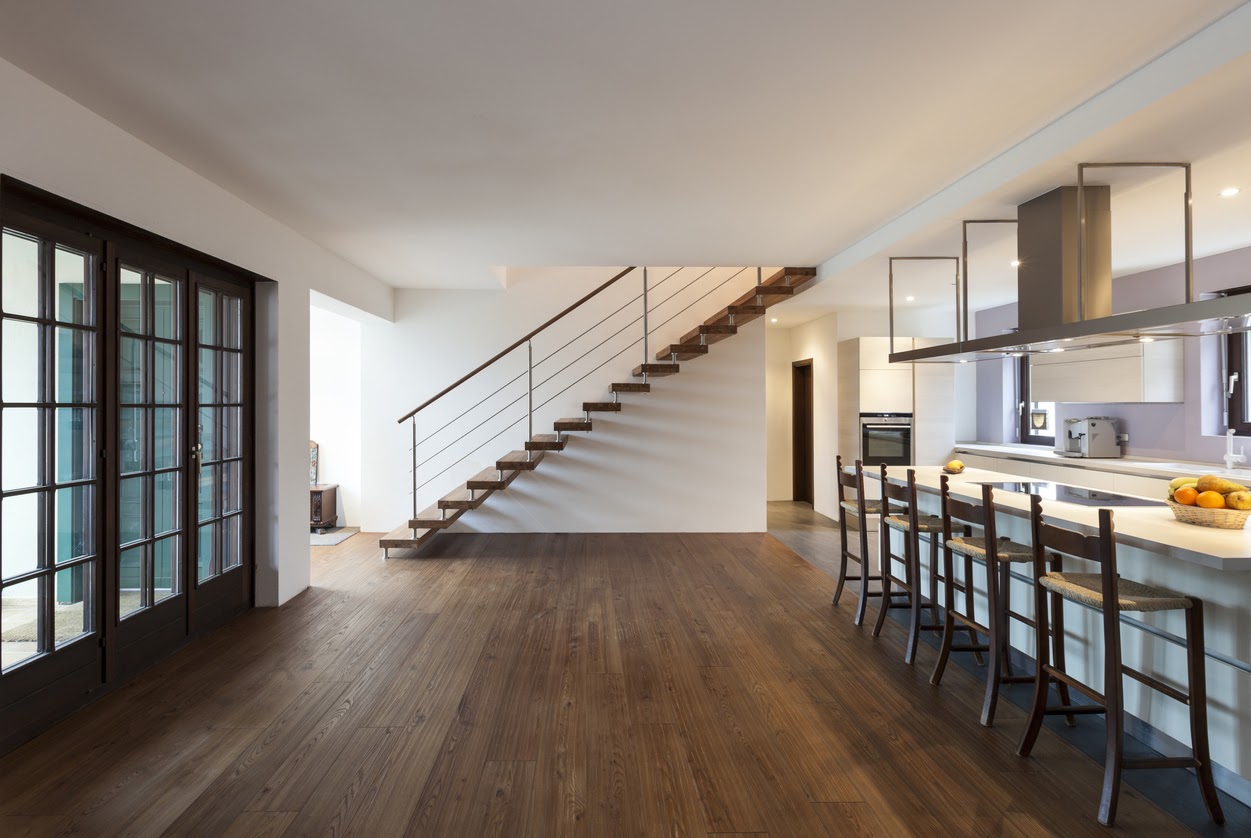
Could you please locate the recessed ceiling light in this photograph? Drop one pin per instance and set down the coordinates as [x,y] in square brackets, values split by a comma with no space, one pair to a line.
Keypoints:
[909,298]
[1016,263]
[773,320]
[1230,191]
[1146,340]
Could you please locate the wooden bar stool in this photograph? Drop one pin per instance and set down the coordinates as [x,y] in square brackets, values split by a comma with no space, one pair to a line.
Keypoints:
[998,596]
[904,518]
[862,509]
[1110,594]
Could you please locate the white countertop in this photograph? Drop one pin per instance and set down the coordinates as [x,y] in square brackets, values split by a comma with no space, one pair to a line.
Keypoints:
[1150,528]
[1120,465]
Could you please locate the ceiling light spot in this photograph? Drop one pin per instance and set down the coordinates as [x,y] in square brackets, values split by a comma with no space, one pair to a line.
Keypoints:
[1057,349]
[964,360]
[1146,340]
[773,320]
[1016,263]
[1230,191]
[909,299]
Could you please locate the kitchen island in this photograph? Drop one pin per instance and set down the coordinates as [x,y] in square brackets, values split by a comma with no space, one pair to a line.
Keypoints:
[1152,547]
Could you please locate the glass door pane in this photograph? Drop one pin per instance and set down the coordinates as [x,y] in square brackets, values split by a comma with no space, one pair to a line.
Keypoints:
[49,562]
[219,416]
[151,455]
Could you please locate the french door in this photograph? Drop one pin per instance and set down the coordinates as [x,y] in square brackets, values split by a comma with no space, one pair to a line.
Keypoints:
[50,474]
[125,450]
[183,559]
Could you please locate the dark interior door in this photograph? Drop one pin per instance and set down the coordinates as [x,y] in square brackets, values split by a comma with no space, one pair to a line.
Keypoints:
[801,431]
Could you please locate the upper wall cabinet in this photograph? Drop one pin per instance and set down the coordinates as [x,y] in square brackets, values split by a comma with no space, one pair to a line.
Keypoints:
[1135,372]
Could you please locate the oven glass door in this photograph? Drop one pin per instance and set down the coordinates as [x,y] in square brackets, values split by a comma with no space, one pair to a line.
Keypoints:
[886,444]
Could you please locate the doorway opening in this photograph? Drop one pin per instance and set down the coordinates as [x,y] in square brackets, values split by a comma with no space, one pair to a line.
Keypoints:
[801,431]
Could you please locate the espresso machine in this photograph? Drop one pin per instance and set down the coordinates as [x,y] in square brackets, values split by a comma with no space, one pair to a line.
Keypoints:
[1094,436]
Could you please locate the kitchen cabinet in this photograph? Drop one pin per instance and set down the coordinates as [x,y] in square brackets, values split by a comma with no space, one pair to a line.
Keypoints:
[1133,372]
[869,383]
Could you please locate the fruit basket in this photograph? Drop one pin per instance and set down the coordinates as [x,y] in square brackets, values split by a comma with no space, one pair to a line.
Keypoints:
[1224,519]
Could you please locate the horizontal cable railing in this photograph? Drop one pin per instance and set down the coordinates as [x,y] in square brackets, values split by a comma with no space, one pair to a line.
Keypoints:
[475,419]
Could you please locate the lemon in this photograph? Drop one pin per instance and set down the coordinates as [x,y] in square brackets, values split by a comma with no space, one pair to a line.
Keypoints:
[955,465]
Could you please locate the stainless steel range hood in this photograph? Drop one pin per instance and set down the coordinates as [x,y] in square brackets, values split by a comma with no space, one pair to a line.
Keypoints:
[1064,285]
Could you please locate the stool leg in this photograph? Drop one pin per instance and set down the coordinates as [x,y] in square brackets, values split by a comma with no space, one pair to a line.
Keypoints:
[1057,642]
[862,600]
[842,558]
[1042,682]
[912,561]
[1005,605]
[968,600]
[949,624]
[934,578]
[1197,671]
[884,603]
[994,621]
[1114,715]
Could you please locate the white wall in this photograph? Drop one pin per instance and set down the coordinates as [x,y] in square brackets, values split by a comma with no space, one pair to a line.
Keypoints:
[335,405]
[778,407]
[58,145]
[818,340]
[689,456]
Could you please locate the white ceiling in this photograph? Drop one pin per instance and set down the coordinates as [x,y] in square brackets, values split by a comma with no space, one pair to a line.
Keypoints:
[1206,123]
[427,142]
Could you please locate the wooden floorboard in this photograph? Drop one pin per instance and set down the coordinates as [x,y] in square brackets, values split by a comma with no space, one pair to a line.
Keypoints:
[553,685]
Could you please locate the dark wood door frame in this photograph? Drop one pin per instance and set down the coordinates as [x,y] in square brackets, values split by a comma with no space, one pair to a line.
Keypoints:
[802,460]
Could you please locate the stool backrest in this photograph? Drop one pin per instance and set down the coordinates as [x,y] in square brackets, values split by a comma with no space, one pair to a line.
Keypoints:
[853,481]
[969,513]
[1099,548]
[904,497]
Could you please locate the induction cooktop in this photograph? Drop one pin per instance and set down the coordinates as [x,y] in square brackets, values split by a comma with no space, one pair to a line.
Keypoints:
[1073,494]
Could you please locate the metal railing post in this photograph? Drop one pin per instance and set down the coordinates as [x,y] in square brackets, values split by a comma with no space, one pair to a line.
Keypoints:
[529,396]
[414,426]
[646,357]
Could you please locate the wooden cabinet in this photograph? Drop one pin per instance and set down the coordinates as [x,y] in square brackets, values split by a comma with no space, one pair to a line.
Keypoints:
[323,505]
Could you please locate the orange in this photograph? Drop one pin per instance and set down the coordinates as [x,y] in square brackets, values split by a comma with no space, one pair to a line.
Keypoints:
[1211,500]
[1186,495]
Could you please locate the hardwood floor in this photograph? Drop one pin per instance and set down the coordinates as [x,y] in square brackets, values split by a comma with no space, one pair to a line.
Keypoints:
[550,685]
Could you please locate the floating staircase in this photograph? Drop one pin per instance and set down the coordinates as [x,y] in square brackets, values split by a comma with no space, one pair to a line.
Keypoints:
[779,287]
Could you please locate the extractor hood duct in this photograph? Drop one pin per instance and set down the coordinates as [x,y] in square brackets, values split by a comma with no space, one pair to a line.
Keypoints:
[1047,247]
[1060,308]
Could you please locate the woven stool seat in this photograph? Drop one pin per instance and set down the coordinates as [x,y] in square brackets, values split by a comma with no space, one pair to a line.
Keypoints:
[1087,588]
[1007,549]
[927,523]
[871,507]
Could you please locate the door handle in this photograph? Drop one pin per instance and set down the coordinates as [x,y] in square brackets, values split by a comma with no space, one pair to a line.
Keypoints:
[196,450]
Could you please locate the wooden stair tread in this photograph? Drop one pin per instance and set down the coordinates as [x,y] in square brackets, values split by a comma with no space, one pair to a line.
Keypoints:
[429,518]
[656,369]
[465,498]
[547,442]
[404,536]
[684,351]
[601,407]
[631,387]
[764,295]
[489,478]
[742,314]
[793,277]
[520,460]
[572,424]
[710,334]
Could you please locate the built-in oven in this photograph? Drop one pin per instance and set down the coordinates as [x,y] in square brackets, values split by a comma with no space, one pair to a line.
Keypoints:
[886,439]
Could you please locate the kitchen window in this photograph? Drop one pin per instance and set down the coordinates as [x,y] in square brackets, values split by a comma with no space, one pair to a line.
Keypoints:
[1036,421]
